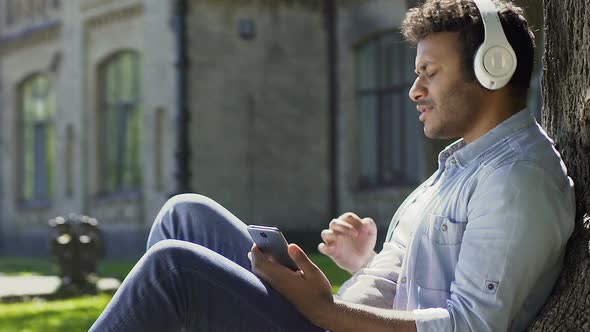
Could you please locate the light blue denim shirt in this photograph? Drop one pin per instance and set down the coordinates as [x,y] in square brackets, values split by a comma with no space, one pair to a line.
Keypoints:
[491,229]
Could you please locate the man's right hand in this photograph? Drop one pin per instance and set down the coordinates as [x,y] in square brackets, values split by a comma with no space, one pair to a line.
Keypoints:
[349,241]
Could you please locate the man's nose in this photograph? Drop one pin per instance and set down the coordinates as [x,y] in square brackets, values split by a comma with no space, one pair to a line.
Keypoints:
[417,91]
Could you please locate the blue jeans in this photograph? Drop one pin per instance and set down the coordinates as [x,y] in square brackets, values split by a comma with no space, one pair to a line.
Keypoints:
[196,276]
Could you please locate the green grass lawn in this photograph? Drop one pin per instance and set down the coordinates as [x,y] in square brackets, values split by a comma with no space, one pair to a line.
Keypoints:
[72,315]
[78,314]
[27,266]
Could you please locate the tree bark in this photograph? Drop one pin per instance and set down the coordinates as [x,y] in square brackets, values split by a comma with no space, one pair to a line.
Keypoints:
[566,116]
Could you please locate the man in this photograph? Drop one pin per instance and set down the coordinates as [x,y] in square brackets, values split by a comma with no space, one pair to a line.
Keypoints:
[477,247]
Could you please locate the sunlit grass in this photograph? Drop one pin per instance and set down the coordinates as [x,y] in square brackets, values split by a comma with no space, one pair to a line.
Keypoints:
[71,315]
[78,314]
[336,275]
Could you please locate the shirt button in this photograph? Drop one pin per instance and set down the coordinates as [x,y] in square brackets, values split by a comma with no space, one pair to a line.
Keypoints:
[444,227]
[404,280]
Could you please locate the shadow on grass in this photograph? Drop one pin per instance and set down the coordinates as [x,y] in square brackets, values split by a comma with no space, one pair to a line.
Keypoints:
[27,266]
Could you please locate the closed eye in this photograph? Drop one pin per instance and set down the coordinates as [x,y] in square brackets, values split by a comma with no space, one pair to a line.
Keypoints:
[426,73]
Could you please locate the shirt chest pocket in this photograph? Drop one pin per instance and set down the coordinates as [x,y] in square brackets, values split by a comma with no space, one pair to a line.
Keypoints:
[438,253]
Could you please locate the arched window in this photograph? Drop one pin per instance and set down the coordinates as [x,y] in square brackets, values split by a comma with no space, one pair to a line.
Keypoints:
[36,141]
[389,131]
[120,124]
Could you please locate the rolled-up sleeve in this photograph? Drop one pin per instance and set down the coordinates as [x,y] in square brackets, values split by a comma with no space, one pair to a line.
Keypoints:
[519,220]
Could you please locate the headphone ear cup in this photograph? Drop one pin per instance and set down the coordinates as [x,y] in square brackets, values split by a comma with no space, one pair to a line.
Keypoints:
[494,66]
[479,69]
[498,62]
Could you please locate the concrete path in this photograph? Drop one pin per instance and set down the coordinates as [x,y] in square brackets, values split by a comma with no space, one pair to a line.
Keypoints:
[33,286]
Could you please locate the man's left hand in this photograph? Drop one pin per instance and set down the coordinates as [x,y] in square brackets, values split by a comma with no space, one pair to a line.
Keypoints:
[307,289]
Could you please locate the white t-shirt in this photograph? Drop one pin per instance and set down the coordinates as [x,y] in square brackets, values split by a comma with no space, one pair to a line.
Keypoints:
[375,285]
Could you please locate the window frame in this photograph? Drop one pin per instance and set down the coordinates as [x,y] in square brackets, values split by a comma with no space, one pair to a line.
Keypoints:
[48,181]
[382,88]
[120,190]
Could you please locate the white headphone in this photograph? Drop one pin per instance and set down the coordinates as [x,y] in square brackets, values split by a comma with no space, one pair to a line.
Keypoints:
[495,60]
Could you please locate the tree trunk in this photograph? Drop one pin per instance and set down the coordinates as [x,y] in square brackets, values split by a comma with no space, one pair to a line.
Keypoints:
[566,116]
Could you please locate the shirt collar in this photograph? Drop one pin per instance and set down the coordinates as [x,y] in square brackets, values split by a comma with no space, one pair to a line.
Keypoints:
[464,153]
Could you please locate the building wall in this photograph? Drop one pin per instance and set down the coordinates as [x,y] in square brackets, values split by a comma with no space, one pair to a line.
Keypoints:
[89,31]
[27,56]
[107,34]
[259,111]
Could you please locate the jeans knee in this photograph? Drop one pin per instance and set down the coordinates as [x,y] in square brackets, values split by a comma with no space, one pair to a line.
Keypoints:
[186,205]
[195,201]
[169,252]
[191,203]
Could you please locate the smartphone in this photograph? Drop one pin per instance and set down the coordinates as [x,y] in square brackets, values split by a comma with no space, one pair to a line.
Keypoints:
[271,241]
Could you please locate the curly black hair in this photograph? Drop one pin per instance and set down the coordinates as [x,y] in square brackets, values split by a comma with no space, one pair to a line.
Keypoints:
[462,16]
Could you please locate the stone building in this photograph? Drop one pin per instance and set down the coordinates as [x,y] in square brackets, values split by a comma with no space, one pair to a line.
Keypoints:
[295,111]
